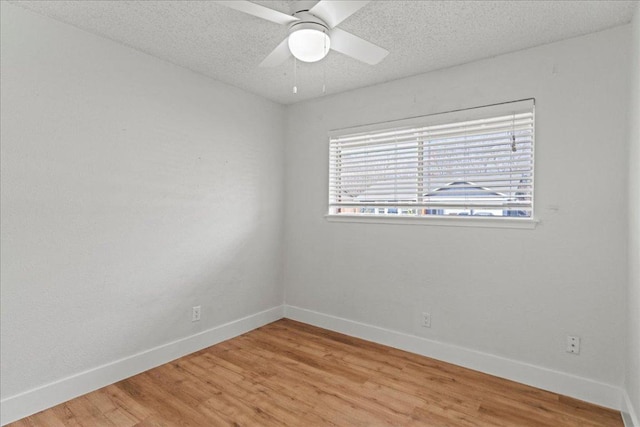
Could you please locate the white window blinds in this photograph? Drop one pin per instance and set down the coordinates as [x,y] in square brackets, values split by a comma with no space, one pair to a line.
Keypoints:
[476,162]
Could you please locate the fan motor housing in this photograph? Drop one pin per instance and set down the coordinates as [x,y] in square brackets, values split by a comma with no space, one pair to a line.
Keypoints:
[308,21]
[297,26]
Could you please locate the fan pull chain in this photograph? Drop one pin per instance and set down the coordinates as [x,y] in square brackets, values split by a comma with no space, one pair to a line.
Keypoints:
[324,78]
[324,71]
[295,75]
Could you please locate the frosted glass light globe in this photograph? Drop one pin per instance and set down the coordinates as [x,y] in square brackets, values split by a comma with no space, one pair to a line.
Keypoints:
[309,45]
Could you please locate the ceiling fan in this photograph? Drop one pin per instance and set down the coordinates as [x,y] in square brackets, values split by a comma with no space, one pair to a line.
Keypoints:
[312,31]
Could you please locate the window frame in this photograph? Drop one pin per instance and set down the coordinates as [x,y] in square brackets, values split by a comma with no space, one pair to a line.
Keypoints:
[449,117]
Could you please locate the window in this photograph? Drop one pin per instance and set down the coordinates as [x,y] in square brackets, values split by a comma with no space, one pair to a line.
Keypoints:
[469,163]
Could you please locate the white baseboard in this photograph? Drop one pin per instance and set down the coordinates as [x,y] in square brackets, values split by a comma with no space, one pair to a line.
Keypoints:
[557,382]
[27,403]
[629,415]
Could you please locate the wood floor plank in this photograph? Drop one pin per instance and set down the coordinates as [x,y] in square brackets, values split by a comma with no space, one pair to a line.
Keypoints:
[63,414]
[291,374]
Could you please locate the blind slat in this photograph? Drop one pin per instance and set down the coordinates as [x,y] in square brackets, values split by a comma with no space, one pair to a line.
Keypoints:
[455,174]
[449,164]
[457,157]
[433,144]
[433,206]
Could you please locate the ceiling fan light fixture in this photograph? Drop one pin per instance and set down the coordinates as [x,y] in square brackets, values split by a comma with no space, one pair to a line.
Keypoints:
[309,42]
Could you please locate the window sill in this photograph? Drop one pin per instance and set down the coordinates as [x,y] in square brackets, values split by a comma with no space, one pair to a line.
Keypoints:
[440,221]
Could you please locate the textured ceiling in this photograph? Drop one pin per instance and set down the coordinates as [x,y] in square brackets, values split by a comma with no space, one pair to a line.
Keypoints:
[421,36]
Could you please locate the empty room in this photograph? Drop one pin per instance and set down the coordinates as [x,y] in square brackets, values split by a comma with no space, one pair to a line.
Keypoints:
[320,213]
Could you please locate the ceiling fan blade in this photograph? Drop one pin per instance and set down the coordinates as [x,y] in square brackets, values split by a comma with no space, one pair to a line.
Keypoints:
[277,55]
[259,11]
[357,48]
[334,12]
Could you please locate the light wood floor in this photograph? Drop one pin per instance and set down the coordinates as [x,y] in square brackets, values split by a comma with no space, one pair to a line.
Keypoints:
[291,374]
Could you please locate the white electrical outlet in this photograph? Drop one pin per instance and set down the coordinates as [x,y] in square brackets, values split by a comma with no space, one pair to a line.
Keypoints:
[426,320]
[195,313]
[573,344]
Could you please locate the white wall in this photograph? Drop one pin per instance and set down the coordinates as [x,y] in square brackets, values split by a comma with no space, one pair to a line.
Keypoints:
[511,293]
[632,382]
[132,190]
